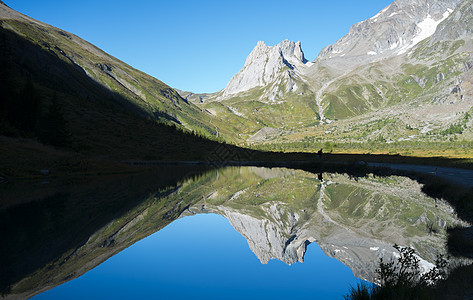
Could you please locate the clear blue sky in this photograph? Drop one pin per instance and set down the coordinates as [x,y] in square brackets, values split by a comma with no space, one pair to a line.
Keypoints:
[199,45]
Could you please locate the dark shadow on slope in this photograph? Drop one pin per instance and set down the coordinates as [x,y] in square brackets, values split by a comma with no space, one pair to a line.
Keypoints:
[25,60]
[99,121]
[54,220]
[460,241]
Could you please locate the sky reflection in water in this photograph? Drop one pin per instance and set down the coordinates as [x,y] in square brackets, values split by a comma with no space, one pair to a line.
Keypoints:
[203,257]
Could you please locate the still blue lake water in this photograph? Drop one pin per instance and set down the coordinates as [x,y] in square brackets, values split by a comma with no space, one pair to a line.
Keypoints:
[203,257]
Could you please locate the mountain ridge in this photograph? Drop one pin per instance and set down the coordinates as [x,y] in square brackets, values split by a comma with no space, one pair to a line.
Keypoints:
[263,65]
[393,31]
[155,99]
[383,66]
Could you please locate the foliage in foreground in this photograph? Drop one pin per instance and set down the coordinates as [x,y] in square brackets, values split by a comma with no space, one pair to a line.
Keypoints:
[401,279]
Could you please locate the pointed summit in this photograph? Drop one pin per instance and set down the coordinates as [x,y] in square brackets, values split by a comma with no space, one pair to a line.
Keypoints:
[265,65]
[290,50]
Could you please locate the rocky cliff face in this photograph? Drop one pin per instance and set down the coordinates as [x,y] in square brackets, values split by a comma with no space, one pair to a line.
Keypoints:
[458,26]
[393,31]
[270,239]
[266,66]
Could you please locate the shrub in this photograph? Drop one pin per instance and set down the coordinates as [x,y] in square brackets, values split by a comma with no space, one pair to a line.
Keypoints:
[401,279]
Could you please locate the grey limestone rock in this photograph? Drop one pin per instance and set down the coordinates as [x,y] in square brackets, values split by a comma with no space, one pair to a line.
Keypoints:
[393,31]
[266,65]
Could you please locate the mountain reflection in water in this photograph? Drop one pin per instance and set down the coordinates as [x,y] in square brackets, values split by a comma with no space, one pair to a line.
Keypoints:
[68,230]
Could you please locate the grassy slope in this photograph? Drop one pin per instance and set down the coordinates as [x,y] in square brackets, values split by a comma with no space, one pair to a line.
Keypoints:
[150,96]
[99,122]
[373,106]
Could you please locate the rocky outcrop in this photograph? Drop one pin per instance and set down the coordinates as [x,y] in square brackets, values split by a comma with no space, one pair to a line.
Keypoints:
[458,26]
[393,31]
[270,239]
[267,65]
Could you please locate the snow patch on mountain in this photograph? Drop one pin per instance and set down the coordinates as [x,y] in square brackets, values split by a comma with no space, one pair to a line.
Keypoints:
[392,32]
[426,29]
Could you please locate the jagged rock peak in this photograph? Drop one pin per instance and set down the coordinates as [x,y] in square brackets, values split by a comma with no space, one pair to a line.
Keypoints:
[271,239]
[286,49]
[265,64]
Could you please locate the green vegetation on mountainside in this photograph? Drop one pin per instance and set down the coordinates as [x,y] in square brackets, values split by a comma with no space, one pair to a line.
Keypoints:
[393,209]
[118,82]
[46,96]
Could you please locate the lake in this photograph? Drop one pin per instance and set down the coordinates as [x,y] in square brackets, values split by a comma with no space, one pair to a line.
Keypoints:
[228,233]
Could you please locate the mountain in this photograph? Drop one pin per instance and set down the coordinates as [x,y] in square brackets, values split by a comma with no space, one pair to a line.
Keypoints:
[280,212]
[63,91]
[391,32]
[270,91]
[149,96]
[399,79]
[266,66]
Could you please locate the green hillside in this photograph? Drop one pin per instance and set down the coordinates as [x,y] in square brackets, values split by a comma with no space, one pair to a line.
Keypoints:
[61,91]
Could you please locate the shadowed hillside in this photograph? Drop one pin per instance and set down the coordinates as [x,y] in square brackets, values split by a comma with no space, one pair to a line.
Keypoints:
[47,100]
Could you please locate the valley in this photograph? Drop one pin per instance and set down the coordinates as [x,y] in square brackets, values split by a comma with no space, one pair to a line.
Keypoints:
[414,91]
[378,90]
[364,148]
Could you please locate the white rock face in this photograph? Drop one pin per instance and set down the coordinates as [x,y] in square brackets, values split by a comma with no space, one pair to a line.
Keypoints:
[270,239]
[458,26]
[393,31]
[266,65]
[279,236]
[426,28]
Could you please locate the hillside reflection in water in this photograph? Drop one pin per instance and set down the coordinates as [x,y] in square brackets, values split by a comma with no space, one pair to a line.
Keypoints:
[294,223]
[203,257]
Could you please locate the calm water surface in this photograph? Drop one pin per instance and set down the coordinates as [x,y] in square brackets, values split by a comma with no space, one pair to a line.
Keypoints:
[231,233]
[203,257]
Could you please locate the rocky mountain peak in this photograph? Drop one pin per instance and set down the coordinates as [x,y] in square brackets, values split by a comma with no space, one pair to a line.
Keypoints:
[289,50]
[458,26]
[393,31]
[286,49]
[264,64]
[270,239]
